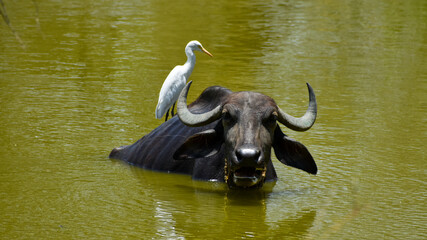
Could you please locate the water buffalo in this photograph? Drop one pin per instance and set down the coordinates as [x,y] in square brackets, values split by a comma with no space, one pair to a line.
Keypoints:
[224,136]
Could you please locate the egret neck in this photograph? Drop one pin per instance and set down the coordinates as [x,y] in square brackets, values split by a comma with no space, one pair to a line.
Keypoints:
[189,64]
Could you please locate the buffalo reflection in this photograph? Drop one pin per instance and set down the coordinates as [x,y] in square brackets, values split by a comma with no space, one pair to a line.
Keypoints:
[177,206]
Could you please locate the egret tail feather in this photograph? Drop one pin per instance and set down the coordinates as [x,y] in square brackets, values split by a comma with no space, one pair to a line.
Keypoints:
[167,115]
[173,107]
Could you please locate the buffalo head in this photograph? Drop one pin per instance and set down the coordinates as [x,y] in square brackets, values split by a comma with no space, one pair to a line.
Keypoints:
[246,133]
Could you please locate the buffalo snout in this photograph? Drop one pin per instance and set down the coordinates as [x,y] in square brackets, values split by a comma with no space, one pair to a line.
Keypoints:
[248,155]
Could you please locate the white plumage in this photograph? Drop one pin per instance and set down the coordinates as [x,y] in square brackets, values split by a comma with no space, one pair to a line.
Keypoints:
[177,79]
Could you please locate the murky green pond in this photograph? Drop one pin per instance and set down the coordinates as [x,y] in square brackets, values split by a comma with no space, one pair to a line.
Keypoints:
[78,78]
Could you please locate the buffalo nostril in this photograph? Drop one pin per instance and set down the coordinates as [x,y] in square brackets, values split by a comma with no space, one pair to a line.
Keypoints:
[247,153]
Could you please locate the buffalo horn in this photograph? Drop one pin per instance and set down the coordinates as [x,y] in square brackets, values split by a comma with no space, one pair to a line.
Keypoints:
[191,119]
[305,122]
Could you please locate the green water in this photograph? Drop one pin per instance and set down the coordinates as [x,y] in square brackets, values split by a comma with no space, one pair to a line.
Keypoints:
[78,78]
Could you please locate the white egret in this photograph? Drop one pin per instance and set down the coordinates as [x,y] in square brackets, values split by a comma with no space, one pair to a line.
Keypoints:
[177,79]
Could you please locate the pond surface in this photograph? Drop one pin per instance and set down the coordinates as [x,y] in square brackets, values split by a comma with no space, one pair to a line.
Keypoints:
[78,78]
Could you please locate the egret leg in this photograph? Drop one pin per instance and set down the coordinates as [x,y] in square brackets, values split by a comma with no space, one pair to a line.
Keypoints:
[167,115]
[173,107]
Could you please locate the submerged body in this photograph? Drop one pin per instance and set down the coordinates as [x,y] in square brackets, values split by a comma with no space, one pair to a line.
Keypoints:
[155,150]
[224,136]
[177,79]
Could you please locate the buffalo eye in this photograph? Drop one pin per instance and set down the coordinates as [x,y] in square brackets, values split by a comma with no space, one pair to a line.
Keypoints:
[227,118]
[271,119]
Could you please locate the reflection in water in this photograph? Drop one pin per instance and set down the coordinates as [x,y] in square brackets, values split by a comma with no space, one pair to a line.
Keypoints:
[243,212]
[297,226]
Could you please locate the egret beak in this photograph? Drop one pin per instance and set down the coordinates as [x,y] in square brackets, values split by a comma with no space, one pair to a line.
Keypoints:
[206,51]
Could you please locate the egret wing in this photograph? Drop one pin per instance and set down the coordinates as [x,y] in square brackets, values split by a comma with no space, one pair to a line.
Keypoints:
[170,91]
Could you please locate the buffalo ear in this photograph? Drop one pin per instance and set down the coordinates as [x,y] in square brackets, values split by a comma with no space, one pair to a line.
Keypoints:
[200,145]
[293,153]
